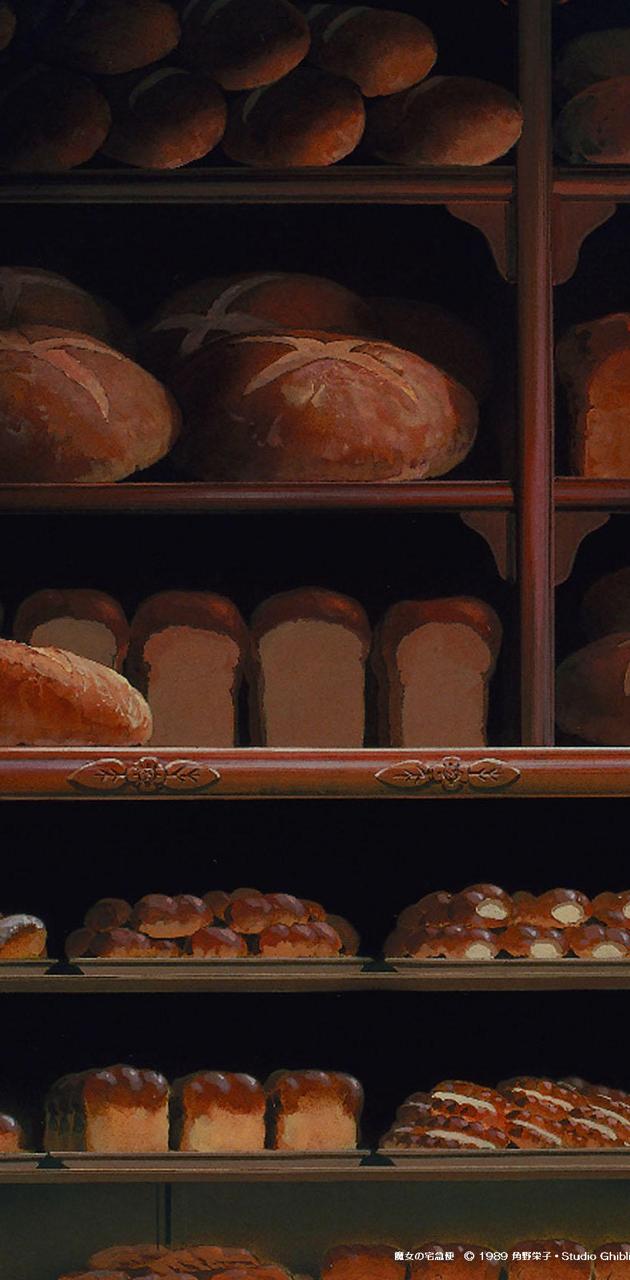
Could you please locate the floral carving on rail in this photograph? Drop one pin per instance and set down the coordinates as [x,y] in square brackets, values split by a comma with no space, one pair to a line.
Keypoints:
[451,774]
[145,776]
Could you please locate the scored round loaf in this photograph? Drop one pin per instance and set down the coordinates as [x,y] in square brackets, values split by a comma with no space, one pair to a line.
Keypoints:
[309,118]
[74,409]
[88,623]
[52,698]
[167,118]
[594,127]
[314,406]
[263,302]
[22,937]
[440,337]
[51,119]
[111,37]
[606,605]
[380,51]
[593,691]
[593,362]
[445,120]
[31,296]
[591,57]
[362,1262]
[8,24]
[243,44]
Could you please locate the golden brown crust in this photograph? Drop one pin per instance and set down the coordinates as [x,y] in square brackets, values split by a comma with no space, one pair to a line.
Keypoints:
[466,1262]
[299,940]
[555,909]
[311,602]
[215,942]
[350,938]
[559,1268]
[592,685]
[612,908]
[286,1089]
[79,943]
[11,1134]
[93,606]
[522,941]
[22,937]
[362,1262]
[107,913]
[582,353]
[127,944]
[127,1256]
[599,942]
[118,1086]
[445,120]
[167,118]
[244,43]
[52,698]
[160,916]
[485,906]
[200,610]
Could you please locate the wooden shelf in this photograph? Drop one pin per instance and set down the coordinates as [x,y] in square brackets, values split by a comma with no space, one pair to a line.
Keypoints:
[252,772]
[190,499]
[575,494]
[593,182]
[339,184]
[61,1168]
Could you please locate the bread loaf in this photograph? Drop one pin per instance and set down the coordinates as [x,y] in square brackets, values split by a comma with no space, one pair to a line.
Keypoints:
[309,118]
[450,942]
[362,1262]
[51,119]
[446,120]
[599,942]
[308,690]
[482,905]
[315,406]
[313,1111]
[7,25]
[606,605]
[118,1108]
[433,661]
[11,1136]
[594,365]
[29,296]
[127,944]
[466,1262]
[591,57]
[73,409]
[217,1111]
[110,37]
[266,302]
[127,1257]
[612,908]
[592,688]
[295,941]
[188,654]
[88,623]
[439,337]
[216,943]
[556,909]
[557,1267]
[165,119]
[594,127]
[22,937]
[380,51]
[243,44]
[612,1262]
[160,916]
[52,698]
[108,913]
[350,940]
[533,942]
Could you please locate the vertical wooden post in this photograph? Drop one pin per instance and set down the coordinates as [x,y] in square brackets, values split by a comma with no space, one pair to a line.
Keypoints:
[535,342]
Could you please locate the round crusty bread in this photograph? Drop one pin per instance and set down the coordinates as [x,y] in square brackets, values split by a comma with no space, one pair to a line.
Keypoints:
[309,118]
[167,118]
[593,691]
[594,127]
[73,409]
[440,337]
[256,303]
[445,120]
[29,295]
[319,406]
[110,37]
[243,44]
[51,119]
[591,57]
[52,698]
[380,51]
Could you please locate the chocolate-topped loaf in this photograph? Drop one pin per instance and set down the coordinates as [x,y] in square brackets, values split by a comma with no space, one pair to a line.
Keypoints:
[313,1111]
[118,1108]
[217,1111]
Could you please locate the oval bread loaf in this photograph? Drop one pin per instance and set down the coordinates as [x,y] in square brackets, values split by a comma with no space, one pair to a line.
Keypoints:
[243,44]
[29,295]
[319,406]
[594,127]
[593,691]
[110,37]
[379,51]
[591,57]
[52,698]
[168,118]
[73,409]
[446,120]
[51,119]
[309,118]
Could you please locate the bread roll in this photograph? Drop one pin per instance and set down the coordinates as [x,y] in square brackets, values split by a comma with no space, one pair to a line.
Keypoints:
[612,908]
[166,119]
[88,623]
[531,942]
[108,913]
[210,1257]
[295,941]
[446,120]
[309,683]
[11,1136]
[592,688]
[52,698]
[594,127]
[215,943]
[591,57]
[597,942]
[188,653]
[612,1262]
[380,51]
[362,1262]
[594,365]
[22,938]
[249,913]
[556,909]
[451,942]
[51,119]
[244,43]
[127,1257]
[350,939]
[309,118]
[73,409]
[266,302]
[606,605]
[79,943]
[556,1266]
[529,1130]
[483,905]
[7,25]
[313,1111]
[127,944]
[110,37]
[315,406]
[472,1101]
[439,336]
[453,1133]
[118,1108]
[433,661]
[218,901]
[467,1263]
[217,1111]
[29,296]
[160,916]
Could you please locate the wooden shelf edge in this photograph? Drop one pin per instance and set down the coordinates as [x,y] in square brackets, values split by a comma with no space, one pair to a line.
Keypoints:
[592,182]
[261,773]
[577,494]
